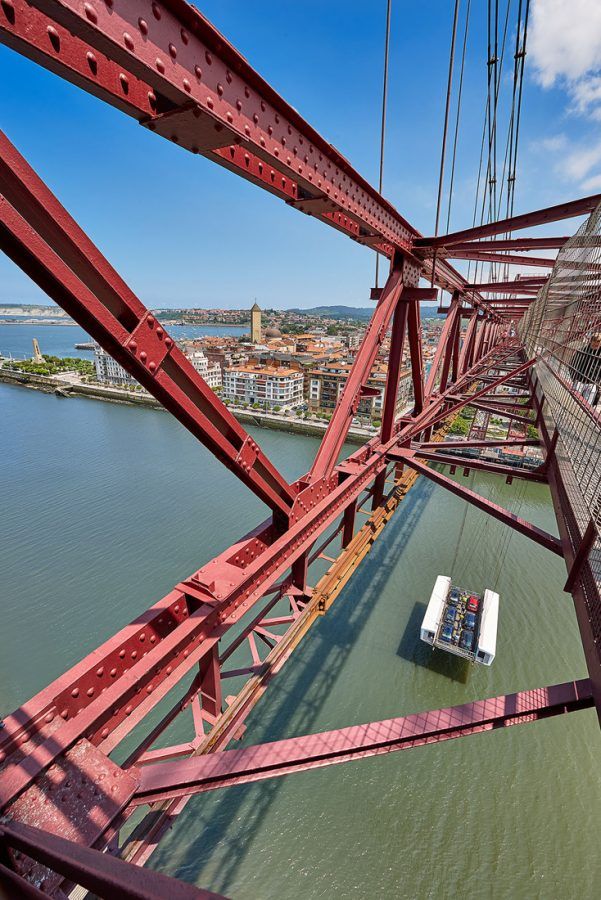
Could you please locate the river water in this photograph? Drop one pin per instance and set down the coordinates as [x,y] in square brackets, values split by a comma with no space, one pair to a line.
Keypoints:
[59,340]
[105,507]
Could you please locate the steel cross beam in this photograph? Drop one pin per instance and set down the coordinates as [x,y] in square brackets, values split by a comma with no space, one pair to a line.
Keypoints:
[538,535]
[45,241]
[466,463]
[234,767]
[515,223]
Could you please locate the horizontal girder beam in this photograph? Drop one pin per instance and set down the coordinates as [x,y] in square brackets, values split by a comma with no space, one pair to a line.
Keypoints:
[298,754]
[515,223]
[546,540]
[481,465]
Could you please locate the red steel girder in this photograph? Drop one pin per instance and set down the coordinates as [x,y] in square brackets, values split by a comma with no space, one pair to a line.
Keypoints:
[100,873]
[481,465]
[45,241]
[298,754]
[483,444]
[538,535]
[403,276]
[519,286]
[518,243]
[512,259]
[527,220]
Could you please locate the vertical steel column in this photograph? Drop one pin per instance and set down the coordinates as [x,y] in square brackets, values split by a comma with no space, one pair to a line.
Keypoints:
[464,358]
[210,682]
[456,348]
[348,521]
[415,349]
[395,359]
[444,346]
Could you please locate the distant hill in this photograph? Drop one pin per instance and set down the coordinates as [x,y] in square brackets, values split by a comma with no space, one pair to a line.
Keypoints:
[353,312]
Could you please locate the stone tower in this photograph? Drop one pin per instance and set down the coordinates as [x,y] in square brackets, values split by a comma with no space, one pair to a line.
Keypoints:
[255,323]
[37,355]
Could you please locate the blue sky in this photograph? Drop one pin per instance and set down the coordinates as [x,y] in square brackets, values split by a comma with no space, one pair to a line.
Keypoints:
[184,232]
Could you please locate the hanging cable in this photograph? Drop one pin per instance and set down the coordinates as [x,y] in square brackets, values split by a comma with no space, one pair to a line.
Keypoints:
[445,130]
[457,117]
[383,124]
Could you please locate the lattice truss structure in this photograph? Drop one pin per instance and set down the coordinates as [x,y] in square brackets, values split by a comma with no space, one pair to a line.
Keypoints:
[63,798]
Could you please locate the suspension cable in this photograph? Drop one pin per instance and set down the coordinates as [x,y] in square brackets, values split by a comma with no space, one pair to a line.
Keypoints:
[457,117]
[445,129]
[383,124]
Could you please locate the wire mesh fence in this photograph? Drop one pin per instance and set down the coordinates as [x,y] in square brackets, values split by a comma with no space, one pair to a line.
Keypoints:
[562,329]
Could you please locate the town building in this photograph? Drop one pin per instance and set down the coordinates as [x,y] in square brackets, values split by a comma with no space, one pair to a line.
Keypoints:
[255,323]
[326,383]
[211,372]
[108,370]
[271,387]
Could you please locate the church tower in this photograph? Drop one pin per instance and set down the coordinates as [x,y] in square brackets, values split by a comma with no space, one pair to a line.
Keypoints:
[255,323]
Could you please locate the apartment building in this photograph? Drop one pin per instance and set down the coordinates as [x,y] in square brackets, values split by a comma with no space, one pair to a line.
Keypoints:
[326,383]
[108,370]
[269,386]
[210,371]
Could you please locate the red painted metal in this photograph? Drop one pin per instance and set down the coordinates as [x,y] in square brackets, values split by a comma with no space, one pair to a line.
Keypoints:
[235,767]
[481,444]
[481,465]
[169,68]
[515,223]
[100,873]
[518,243]
[408,457]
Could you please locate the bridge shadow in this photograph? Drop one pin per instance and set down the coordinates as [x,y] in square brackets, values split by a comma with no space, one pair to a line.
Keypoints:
[224,824]
[416,651]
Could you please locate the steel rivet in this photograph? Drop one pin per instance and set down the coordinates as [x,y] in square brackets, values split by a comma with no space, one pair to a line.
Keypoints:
[156,10]
[187,85]
[100,671]
[113,672]
[160,65]
[128,40]
[172,51]
[198,72]
[75,692]
[184,35]
[54,38]
[90,12]
[90,692]
[143,26]
[143,356]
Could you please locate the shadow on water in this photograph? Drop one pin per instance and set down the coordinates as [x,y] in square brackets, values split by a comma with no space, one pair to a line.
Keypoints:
[421,654]
[224,824]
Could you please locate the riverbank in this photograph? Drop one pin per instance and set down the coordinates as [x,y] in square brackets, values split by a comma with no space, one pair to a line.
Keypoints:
[58,386]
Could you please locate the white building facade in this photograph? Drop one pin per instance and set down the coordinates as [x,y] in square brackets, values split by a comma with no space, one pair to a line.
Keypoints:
[267,386]
[210,372]
[108,371]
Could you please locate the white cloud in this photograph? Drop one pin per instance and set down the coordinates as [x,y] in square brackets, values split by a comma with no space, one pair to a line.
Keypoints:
[592,184]
[565,40]
[578,162]
[564,48]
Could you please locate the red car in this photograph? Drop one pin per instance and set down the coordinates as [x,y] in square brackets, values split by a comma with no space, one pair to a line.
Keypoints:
[472,604]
